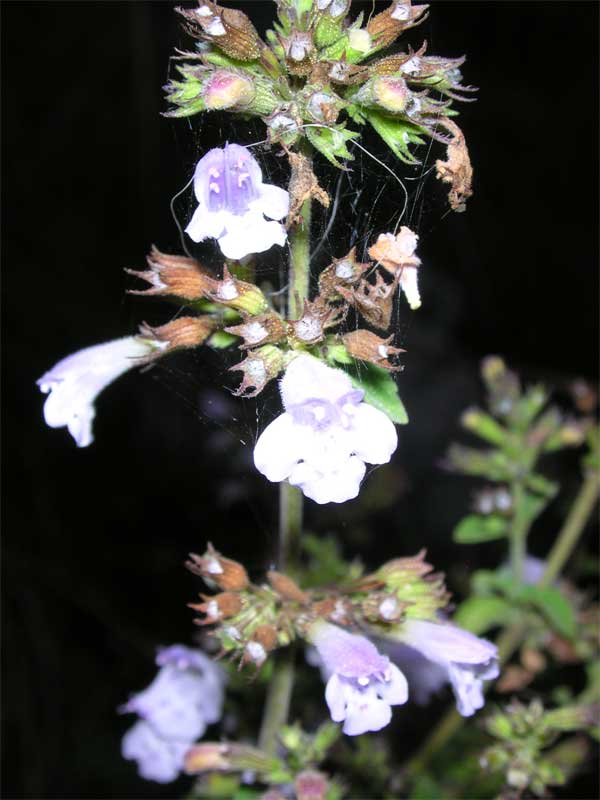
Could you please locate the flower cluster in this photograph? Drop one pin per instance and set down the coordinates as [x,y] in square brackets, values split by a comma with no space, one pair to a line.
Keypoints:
[315,66]
[185,697]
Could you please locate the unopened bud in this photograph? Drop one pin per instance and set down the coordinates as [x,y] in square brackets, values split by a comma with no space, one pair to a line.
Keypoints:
[367,346]
[299,52]
[217,570]
[382,607]
[390,93]
[387,26]
[207,757]
[226,89]
[360,40]
[311,785]
[227,28]
[286,587]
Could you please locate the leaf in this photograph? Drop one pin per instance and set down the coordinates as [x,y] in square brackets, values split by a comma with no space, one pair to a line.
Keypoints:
[220,340]
[331,142]
[477,528]
[479,614]
[398,134]
[554,605]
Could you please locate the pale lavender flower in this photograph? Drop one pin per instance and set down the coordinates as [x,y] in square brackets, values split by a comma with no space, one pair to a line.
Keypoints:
[467,661]
[326,434]
[362,685]
[158,759]
[74,383]
[185,697]
[233,202]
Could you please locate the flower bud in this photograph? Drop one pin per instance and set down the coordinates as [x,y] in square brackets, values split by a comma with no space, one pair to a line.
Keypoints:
[360,40]
[215,569]
[223,756]
[217,607]
[227,89]
[286,587]
[323,107]
[181,333]
[390,93]
[261,366]
[382,607]
[299,52]
[174,275]
[366,346]
[311,785]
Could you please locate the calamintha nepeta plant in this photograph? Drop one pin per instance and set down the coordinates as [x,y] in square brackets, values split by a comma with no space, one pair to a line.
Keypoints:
[380,638]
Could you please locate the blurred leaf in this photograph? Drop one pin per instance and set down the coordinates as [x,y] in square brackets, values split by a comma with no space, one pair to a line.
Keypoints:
[480,528]
[479,614]
[220,340]
[484,426]
[425,788]
[553,605]
[326,564]
[527,407]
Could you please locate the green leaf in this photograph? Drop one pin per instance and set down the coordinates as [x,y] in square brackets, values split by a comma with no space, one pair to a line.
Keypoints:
[480,528]
[479,614]
[380,390]
[553,605]
[331,142]
[220,340]
[398,134]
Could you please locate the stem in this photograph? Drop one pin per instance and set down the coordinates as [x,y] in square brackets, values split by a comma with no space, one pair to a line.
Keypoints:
[511,637]
[573,527]
[279,692]
[518,533]
[277,705]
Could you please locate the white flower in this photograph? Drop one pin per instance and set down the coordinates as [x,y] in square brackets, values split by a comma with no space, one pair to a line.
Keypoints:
[233,202]
[325,436]
[158,759]
[362,684]
[74,383]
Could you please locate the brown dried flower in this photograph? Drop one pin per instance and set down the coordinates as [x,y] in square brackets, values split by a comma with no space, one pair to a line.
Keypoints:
[457,169]
[367,346]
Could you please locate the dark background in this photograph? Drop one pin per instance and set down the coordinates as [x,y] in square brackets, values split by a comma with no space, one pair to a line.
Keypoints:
[94,539]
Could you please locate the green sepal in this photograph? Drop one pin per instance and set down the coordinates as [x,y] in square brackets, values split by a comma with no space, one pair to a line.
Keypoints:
[331,142]
[477,528]
[378,385]
[188,110]
[479,614]
[219,59]
[398,134]
[327,31]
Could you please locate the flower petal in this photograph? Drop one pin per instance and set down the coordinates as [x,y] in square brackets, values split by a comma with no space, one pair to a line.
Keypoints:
[335,697]
[443,643]
[366,712]
[330,487]
[468,689]
[410,286]
[250,233]
[206,224]
[306,377]
[274,202]
[158,760]
[347,654]
[395,690]
[279,448]
[374,435]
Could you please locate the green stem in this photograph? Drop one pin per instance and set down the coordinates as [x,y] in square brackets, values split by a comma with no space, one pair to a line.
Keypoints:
[518,533]
[512,636]
[279,693]
[573,527]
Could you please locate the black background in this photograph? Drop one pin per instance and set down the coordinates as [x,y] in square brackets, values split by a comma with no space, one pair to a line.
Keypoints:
[94,539]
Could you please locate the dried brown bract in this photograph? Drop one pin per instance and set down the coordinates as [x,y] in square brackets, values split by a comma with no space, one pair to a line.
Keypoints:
[367,346]
[303,186]
[457,169]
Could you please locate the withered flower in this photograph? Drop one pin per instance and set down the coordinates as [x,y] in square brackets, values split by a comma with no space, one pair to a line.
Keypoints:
[216,569]
[367,346]
[457,169]
[176,276]
[182,333]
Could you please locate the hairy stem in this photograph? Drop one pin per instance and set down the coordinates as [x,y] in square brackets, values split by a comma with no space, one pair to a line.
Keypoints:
[573,527]
[512,636]
[290,502]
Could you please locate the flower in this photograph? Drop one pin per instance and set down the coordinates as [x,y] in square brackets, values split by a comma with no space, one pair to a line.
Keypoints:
[326,434]
[233,202]
[362,685]
[74,383]
[185,697]
[397,255]
[466,659]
